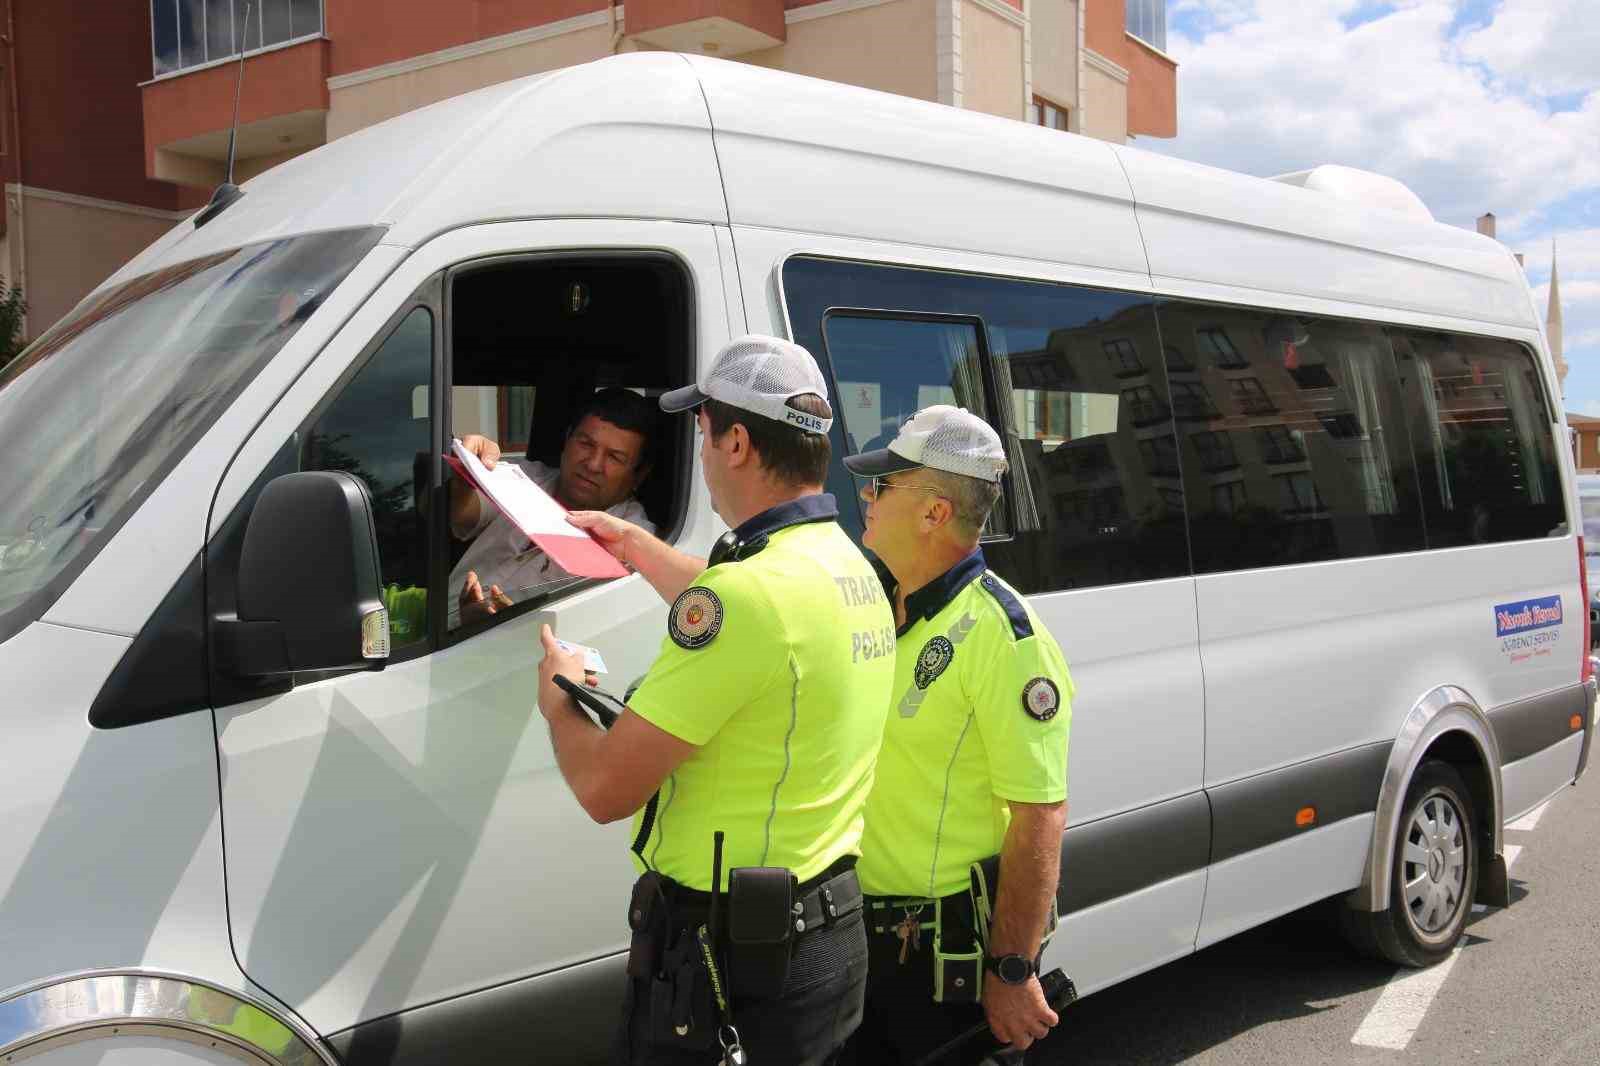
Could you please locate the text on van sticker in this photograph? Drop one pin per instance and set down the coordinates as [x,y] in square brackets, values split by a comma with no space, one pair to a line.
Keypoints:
[1525,616]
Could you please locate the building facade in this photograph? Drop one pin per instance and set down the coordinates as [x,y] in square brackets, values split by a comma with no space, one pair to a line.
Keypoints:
[119,113]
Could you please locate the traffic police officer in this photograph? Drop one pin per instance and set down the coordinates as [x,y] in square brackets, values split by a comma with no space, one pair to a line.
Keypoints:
[974,758]
[759,720]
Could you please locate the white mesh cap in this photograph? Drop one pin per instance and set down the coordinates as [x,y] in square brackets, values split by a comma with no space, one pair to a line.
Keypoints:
[759,374]
[940,437]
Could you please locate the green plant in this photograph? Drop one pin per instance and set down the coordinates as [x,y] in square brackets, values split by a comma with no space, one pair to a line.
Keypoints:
[12,308]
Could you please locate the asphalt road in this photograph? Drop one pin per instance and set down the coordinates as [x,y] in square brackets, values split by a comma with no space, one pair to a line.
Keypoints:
[1522,989]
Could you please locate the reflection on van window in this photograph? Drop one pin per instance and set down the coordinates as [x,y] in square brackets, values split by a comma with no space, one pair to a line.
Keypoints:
[97,411]
[1482,433]
[1302,455]
[889,368]
[375,430]
[1082,406]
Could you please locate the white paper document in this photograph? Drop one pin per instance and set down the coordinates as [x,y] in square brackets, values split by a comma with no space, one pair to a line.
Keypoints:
[515,493]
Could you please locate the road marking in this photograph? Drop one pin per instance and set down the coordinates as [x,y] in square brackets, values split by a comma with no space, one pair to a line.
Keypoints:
[1530,820]
[1393,1020]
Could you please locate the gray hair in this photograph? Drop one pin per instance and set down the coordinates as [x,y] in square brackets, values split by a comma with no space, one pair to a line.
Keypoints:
[971,498]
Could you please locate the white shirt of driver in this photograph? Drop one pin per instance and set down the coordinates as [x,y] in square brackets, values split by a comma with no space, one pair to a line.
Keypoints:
[503,555]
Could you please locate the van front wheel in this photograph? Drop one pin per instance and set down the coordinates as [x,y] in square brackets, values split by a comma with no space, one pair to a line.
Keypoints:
[1432,877]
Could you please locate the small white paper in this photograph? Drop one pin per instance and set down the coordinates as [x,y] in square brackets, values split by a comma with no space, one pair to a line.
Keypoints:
[591,656]
[515,493]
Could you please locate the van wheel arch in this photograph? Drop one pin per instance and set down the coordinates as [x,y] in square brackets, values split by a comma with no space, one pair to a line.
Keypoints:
[136,1004]
[1449,726]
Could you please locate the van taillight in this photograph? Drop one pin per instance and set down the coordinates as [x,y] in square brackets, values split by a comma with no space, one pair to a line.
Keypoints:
[1586,671]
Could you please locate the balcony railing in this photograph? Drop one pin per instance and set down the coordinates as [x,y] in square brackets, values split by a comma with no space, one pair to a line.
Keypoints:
[191,33]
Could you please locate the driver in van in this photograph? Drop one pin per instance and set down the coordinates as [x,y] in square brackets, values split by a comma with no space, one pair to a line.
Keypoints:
[606,456]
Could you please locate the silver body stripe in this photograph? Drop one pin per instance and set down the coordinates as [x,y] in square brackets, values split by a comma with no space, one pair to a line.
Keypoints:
[938,833]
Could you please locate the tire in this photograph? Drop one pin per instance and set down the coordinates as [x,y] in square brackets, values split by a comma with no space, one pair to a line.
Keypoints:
[1436,855]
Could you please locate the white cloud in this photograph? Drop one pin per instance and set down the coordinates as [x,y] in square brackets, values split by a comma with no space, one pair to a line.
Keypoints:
[1548,45]
[1590,408]
[1293,87]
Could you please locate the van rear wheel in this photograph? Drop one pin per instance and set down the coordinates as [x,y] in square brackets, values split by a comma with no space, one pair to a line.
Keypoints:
[1432,876]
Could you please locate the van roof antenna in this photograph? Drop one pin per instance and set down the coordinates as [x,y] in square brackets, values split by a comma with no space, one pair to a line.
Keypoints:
[228,192]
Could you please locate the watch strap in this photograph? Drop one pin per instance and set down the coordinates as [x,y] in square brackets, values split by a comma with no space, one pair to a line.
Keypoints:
[992,963]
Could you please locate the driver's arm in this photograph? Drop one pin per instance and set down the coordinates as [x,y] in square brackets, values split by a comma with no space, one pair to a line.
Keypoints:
[466,506]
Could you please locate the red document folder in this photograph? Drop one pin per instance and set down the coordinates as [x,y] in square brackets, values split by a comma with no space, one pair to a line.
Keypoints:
[537,514]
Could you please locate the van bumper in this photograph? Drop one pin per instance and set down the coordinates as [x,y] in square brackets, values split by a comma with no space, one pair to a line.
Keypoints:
[1590,688]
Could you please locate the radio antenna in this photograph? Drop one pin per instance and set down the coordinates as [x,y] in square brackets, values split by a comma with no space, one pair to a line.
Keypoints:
[228,192]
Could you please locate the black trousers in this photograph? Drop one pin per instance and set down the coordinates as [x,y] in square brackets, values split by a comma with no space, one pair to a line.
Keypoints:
[902,1024]
[805,1024]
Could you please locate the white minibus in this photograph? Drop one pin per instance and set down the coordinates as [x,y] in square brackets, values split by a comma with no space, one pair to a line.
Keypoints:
[1285,484]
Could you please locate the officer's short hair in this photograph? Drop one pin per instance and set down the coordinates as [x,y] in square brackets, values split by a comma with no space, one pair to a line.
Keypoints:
[790,454]
[971,498]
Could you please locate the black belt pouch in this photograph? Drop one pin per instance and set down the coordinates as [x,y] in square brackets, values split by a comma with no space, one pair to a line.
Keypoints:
[683,1014]
[760,929]
[647,917]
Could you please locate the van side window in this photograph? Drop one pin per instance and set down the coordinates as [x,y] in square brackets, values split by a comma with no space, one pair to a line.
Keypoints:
[559,360]
[1078,395]
[1481,429]
[888,368]
[1304,454]
[378,428]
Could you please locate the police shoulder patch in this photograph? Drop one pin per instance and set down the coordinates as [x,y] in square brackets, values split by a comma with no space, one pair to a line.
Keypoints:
[695,618]
[1041,699]
[932,660]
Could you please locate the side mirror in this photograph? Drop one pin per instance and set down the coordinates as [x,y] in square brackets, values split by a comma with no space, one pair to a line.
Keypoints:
[308,591]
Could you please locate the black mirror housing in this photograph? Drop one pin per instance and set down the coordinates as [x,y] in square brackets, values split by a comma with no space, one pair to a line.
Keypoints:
[309,596]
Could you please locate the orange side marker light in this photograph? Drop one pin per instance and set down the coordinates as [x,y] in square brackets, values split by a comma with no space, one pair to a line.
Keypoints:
[1576,722]
[1305,816]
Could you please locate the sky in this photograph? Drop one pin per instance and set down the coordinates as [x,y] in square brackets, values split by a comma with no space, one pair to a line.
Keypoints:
[1477,105]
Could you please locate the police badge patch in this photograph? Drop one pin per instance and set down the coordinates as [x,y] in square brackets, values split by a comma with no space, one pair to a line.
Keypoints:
[695,619]
[932,660]
[1041,699]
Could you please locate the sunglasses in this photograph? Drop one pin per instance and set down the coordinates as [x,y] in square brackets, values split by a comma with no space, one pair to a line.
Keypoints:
[881,484]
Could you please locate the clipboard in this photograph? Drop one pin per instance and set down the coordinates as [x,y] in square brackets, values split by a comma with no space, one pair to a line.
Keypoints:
[536,513]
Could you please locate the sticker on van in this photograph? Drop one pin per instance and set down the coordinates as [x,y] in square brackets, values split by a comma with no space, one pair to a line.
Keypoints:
[1528,628]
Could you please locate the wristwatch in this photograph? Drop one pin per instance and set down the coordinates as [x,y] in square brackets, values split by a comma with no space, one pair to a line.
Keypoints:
[1012,969]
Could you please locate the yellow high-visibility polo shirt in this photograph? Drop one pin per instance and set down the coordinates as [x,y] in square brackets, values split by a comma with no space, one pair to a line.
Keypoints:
[980,716]
[778,667]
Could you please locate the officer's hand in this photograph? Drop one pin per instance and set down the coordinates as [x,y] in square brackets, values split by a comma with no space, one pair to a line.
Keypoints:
[1018,1014]
[557,660]
[484,448]
[612,532]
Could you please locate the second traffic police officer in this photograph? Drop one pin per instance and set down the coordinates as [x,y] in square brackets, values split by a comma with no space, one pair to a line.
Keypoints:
[974,760]
[756,728]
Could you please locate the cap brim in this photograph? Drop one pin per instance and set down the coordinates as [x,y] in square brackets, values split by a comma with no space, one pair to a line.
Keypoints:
[878,462]
[685,399]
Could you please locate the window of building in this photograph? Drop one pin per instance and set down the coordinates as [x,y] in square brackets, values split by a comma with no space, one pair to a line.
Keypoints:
[1147,20]
[1215,450]
[189,33]
[1250,398]
[1277,445]
[1042,112]
[1481,428]
[1123,356]
[1160,455]
[1332,476]
[1190,400]
[1085,509]
[1228,498]
[1213,343]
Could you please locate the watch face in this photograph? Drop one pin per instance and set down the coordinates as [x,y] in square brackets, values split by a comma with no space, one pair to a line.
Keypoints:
[1014,969]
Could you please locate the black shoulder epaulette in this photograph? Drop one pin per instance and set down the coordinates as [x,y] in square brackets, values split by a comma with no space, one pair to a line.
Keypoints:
[1021,627]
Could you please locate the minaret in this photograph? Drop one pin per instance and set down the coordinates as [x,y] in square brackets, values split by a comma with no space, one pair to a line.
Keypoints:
[1552,320]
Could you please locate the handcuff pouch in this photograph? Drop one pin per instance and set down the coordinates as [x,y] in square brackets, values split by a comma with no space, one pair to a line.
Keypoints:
[647,918]
[760,929]
[957,954]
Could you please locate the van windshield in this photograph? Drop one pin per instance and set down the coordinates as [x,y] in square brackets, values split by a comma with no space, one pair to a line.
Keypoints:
[97,411]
